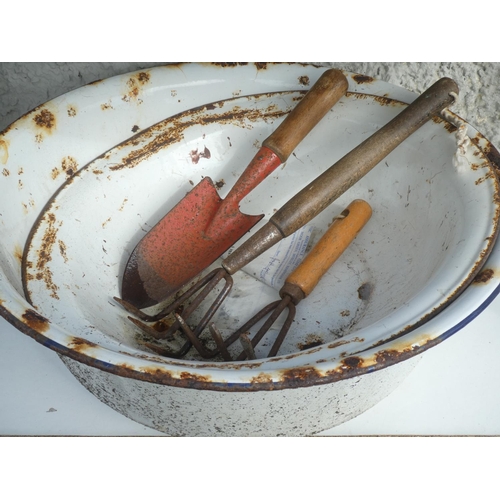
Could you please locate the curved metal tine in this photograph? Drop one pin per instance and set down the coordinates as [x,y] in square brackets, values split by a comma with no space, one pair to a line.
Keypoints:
[149,330]
[280,307]
[148,317]
[164,351]
[215,304]
[216,276]
[130,308]
[211,280]
[202,350]
[284,330]
[216,335]
[251,322]
[173,305]
[246,343]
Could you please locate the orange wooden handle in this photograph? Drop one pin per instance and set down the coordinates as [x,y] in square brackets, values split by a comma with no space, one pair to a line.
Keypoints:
[330,247]
[330,87]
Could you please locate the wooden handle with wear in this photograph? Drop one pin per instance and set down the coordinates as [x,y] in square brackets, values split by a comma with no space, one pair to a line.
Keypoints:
[322,96]
[302,281]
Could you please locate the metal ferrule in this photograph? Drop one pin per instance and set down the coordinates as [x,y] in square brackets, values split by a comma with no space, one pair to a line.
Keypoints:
[267,236]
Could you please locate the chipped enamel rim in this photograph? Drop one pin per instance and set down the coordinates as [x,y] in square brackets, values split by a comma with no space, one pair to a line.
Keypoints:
[303,369]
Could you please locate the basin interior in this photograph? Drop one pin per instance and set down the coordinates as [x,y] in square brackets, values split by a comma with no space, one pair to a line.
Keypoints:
[411,257]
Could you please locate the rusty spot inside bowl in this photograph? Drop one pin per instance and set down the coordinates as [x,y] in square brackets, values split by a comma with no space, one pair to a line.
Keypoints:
[196,155]
[4,151]
[80,345]
[352,362]
[365,291]
[45,119]
[304,80]
[158,138]
[359,79]
[229,64]
[134,83]
[18,253]
[69,166]
[446,124]
[143,77]
[488,175]
[44,254]
[338,343]
[484,276]
[312,340]
[62,250]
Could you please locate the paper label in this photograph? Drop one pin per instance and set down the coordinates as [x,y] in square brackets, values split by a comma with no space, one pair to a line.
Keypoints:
[278,262]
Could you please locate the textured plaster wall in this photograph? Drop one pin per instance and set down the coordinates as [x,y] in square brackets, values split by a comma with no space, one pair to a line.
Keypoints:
[26,85]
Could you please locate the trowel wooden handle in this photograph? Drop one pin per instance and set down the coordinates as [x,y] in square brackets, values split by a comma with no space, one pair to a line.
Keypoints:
[330,87]
[329,248]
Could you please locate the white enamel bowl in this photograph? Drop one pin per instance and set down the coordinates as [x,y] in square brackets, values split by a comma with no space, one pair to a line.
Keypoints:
[85,175]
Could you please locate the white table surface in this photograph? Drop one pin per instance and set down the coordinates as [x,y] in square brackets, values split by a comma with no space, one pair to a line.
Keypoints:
[454,390]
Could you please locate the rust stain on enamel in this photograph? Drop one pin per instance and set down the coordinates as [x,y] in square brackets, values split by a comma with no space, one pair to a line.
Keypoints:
[45,123]
[484,277]
[4,151]
[45,119]
[122,206]
[134,84]
[35,321]
[158,136]
[311,340]
[81,345]
[488,175]
[304,80]
[193,377]
[62,250]
[18,253]
[262,378]
[40,270]
[446,124]
[297,376]
[382,100]
[196,155]
[360,79]
[69,166]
